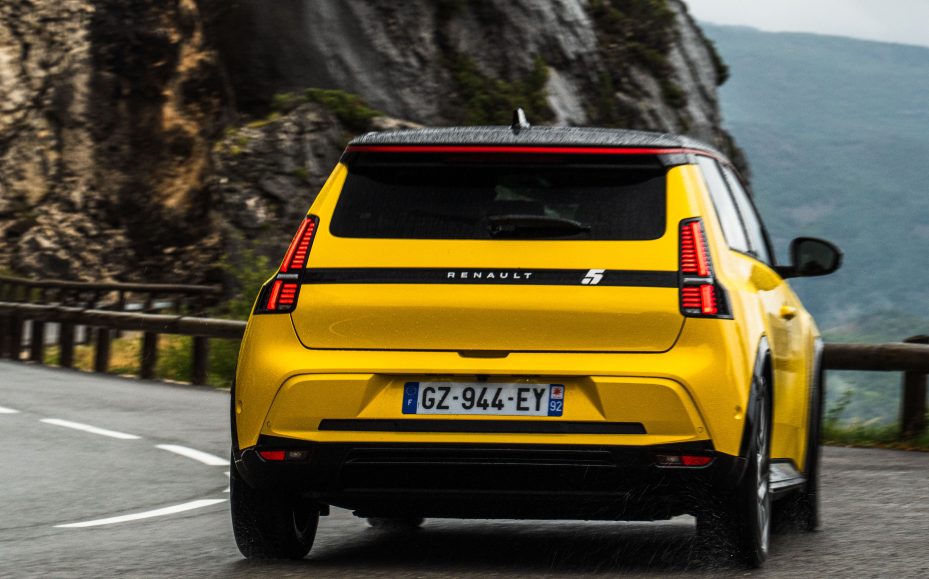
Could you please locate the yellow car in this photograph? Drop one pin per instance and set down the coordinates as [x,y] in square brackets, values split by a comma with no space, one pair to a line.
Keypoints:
[534,323]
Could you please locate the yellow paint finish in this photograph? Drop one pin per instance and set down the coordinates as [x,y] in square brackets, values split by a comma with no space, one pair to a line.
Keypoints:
[488,317]
[698,389]
[662,406]
[674,394]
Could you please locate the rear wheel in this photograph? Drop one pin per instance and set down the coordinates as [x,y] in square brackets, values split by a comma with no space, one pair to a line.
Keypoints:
[269,526]
[396,523]
[739,525]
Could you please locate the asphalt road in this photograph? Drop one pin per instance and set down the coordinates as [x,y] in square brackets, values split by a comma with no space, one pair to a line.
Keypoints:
[876,504]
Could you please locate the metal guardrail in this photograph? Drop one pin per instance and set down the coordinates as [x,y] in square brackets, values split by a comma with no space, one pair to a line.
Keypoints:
[94,294]
[14,316]
[910,357]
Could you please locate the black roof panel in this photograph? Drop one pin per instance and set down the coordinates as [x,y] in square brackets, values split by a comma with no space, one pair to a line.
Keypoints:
[534,136]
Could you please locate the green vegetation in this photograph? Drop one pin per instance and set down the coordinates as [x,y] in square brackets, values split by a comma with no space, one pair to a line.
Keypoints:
[722,69]
[490,101]
[872,432]
[246,271]
[673,94]
[869,398]
[349,108]
[871,435]
[634,33]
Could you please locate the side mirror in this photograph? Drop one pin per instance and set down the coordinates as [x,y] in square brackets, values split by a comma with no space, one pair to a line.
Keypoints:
[811,257]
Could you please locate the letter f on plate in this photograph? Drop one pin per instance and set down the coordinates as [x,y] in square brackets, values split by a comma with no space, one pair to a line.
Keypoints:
[593,277]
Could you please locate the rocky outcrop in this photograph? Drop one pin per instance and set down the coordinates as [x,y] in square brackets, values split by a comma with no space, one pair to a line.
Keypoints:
[267,172]
[144,139]
[109,109]
[636,63]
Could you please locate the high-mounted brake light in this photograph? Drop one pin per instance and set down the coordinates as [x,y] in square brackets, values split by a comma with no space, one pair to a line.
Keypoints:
[701,294]
[280,294]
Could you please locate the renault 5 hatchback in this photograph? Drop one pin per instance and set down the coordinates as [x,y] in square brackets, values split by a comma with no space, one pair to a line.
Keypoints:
[541,323]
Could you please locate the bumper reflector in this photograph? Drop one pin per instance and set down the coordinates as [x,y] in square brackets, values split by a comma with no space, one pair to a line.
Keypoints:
[282,455]
[682,460]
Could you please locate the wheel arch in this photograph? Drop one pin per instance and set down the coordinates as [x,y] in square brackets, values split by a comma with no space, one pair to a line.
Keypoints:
[761,391]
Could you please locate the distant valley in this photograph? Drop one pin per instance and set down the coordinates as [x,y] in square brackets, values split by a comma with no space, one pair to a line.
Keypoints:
[837,134]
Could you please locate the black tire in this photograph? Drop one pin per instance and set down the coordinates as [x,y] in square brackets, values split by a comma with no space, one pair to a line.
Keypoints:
[268,526]
[395,523]
[738,526]
[800,512]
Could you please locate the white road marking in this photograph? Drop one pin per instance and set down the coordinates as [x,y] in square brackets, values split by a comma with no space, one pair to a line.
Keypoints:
[198,455]
[146,515]
[227,488]
[8,410]
[89,428]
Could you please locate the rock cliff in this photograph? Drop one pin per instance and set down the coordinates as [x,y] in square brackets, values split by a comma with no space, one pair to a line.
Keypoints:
[142,139]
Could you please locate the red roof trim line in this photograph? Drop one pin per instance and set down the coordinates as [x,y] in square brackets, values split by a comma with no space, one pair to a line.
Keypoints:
[523,149]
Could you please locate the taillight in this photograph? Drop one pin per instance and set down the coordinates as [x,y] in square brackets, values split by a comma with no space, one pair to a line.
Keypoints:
[701,294]
[280,294]
[695,258]
[295,258]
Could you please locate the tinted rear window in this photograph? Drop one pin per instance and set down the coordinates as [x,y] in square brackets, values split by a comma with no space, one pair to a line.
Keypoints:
[449,200]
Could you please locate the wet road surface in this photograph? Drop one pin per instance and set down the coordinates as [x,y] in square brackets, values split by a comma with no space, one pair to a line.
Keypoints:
[106,476]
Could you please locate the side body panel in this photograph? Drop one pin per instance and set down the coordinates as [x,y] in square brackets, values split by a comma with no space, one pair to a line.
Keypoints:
[764,305]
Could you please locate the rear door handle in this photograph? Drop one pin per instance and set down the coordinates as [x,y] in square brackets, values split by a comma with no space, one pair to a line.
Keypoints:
[788,312]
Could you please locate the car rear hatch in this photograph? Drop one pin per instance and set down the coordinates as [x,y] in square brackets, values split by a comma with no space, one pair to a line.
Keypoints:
[494,252]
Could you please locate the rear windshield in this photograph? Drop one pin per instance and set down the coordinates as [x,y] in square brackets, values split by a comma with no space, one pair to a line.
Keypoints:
[515,199]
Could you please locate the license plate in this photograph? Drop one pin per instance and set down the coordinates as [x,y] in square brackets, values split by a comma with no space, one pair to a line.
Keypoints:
[476,398]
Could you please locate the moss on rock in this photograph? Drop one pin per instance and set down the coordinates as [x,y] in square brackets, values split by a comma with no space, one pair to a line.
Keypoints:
[490,101]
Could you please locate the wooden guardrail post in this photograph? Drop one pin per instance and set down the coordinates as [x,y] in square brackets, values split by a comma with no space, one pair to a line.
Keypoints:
[4,333]
[913,402]
[66,344]
[120,307]
[15,343]
[37,342]
[149,356]
[201,358]
[102,353]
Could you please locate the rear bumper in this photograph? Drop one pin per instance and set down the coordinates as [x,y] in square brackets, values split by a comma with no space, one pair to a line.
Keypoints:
[494,481]
[695,392]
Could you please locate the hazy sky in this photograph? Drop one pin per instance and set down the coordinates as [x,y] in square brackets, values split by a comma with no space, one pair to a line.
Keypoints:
[903,21]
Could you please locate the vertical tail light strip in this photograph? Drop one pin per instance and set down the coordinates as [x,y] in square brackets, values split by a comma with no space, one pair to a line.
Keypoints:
[701,295]
[275,294]
[280,294]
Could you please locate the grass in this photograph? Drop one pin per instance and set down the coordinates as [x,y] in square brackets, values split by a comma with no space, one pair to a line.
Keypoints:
[871,433]
[175,358]
[872,436]
[246,270]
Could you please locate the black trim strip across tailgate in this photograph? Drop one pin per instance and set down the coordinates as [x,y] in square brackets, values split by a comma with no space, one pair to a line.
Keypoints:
[447,275]
[481,426]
